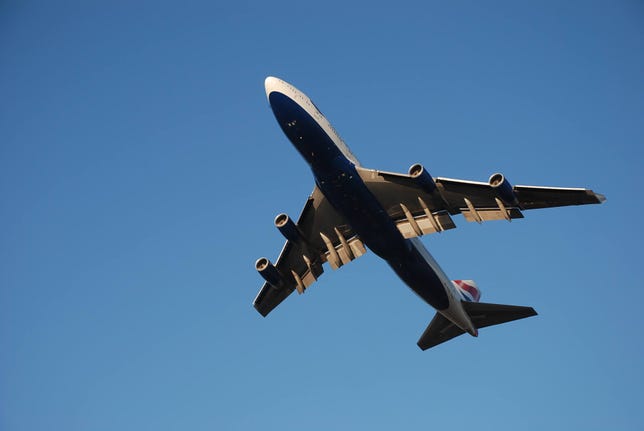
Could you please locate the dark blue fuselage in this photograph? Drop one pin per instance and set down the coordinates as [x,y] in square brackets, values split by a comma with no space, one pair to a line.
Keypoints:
[337,178]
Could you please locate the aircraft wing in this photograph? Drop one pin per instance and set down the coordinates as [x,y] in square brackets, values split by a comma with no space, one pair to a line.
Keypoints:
[421,204]
[322,235]
[416,209]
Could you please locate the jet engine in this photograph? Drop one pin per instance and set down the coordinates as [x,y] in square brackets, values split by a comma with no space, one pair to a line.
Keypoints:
[503,189]
[289,229]
[425,181]
[269,273]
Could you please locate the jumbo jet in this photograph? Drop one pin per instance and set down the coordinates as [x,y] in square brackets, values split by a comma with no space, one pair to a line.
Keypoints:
[352,208]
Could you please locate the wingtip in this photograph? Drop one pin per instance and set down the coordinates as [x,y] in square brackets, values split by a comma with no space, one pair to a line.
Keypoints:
[601,198]
[260,310]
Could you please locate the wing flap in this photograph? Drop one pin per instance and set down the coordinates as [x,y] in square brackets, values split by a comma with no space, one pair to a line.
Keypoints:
[424,224]
[340,251]
[415,211]
[490,214]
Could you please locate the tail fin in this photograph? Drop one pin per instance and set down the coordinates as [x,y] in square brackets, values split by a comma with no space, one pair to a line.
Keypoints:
[441,329]
[468,290]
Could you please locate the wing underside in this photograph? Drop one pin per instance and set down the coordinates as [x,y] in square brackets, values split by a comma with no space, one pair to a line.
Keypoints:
[322,236]
[421,206]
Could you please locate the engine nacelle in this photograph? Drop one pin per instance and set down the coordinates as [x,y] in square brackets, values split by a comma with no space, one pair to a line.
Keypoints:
[269,273]
[418,173]
[503,189]
[288,228]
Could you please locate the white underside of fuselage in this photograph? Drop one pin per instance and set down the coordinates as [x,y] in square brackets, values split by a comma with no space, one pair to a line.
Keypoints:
[455,312]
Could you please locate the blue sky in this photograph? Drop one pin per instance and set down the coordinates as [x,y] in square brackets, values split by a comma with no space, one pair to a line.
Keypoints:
[141,169]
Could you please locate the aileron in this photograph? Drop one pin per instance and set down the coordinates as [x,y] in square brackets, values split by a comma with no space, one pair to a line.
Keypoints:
[532,197]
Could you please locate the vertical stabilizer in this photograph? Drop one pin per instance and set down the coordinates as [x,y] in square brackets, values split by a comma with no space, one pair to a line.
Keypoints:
[468,290]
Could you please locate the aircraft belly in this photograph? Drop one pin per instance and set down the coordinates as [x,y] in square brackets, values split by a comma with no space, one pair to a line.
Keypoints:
[305,133]
[421,278]
[348,194]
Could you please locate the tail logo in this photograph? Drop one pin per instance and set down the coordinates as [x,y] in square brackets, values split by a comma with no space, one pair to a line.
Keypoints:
[468,289]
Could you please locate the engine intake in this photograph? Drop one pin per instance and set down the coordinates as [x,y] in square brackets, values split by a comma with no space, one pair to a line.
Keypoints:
[289,229]
[424,180]
[503,189]
[269,273]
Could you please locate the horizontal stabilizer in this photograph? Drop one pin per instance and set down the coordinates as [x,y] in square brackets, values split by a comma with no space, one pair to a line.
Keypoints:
[441,329]
[483,314]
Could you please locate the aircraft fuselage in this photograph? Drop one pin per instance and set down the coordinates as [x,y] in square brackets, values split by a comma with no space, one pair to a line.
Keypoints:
[334,169]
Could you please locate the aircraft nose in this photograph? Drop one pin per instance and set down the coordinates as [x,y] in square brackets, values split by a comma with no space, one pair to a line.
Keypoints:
[271,84]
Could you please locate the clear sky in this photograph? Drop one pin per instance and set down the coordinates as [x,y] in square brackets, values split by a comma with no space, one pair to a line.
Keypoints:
[141,169]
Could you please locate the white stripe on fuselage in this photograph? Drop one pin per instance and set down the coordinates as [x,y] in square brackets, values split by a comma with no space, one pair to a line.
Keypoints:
[275,84]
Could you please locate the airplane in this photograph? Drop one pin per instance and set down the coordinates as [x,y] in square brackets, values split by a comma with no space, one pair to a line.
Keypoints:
[353,208]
